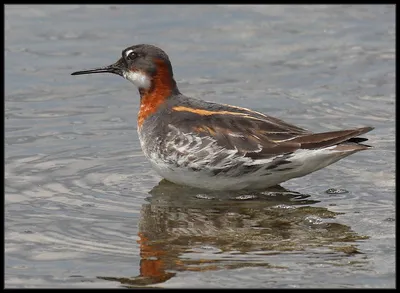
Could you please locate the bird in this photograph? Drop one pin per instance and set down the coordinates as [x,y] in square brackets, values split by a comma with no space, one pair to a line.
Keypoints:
[219,147]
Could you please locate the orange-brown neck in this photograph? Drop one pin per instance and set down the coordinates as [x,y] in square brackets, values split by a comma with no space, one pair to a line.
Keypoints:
[162,87]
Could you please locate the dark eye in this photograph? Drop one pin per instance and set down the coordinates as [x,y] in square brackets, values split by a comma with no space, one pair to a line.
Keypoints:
[131,56]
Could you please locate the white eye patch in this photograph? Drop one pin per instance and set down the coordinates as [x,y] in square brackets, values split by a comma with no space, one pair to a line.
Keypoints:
[138,78]
[127,53]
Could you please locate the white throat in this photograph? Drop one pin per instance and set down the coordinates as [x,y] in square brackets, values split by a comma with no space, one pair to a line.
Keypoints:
[138,78]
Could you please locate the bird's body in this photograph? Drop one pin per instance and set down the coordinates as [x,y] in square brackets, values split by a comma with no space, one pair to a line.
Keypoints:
[216,146]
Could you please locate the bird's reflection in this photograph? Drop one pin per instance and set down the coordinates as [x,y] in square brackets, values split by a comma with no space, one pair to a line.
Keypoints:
[184,229]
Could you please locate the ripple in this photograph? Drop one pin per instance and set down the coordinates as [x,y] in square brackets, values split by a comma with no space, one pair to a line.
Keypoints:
[336,191]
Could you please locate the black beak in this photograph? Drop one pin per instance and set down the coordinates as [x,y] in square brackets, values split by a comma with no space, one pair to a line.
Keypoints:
[116,68]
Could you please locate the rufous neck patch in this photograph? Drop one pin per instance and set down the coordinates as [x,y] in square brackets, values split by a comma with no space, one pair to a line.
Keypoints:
[162,86]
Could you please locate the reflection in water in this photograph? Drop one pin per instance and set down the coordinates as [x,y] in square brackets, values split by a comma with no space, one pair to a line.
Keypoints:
[184,229]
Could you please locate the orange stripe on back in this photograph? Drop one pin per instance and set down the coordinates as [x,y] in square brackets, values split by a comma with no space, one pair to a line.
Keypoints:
[208,113]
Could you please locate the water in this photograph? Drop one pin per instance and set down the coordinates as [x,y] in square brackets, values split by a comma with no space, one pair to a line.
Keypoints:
[84,209]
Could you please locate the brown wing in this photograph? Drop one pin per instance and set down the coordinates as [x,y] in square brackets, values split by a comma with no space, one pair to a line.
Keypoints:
[253,134]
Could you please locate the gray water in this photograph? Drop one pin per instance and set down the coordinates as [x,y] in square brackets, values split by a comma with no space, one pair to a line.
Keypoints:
[83,207]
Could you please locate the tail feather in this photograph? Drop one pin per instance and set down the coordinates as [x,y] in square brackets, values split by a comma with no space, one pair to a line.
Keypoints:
[357,139]
[326,139]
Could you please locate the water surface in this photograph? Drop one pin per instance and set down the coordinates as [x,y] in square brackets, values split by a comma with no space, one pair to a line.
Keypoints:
[84,209]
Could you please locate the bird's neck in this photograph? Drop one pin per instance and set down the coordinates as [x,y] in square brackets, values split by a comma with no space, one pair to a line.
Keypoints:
[163,86]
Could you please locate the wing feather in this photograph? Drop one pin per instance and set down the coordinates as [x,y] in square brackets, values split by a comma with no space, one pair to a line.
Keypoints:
[252,134]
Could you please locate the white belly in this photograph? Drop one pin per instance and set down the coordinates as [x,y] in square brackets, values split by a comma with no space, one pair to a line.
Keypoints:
[303,163]
[203,180]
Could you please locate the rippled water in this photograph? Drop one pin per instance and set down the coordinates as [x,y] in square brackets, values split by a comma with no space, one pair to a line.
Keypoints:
[84,209]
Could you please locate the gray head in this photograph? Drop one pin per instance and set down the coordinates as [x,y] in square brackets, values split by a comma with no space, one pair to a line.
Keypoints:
[140,64]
